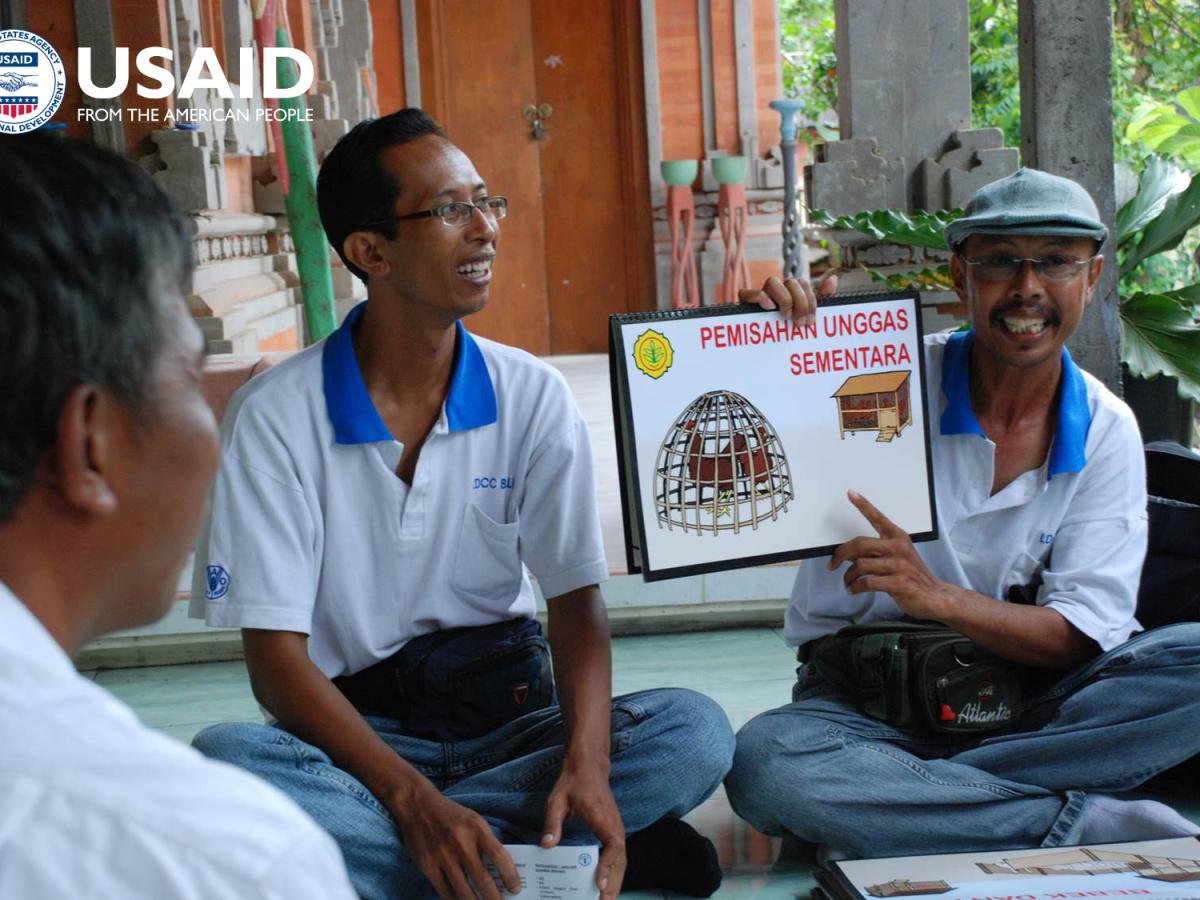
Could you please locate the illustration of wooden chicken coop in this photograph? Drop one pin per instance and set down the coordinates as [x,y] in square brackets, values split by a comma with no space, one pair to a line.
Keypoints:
[879,402]
[903,887]
[721,467]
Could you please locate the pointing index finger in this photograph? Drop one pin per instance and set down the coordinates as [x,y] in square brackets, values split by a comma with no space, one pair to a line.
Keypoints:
[881,523]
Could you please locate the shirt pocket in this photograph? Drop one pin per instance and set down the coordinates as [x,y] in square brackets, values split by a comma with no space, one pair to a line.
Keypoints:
[1025,578]
[487,567]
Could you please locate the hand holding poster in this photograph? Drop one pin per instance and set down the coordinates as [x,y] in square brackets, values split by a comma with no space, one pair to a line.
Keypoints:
[740,432]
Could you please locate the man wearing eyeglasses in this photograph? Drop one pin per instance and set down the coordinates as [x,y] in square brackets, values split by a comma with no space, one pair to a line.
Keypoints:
[381,498]
[1041,500]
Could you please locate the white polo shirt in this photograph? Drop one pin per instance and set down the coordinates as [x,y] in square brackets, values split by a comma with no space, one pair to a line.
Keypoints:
[96,805]
[1078,522]
[312,530]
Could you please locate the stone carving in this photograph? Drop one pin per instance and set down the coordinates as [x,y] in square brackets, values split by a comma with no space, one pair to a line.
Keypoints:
[216,249]
[190,162]
[189,168]
[977,156]
[244,292]
[904,109]
[853,175]
[768,172]
[248,137]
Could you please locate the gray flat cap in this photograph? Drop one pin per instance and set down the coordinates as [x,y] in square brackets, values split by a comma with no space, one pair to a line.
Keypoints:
[1029,202]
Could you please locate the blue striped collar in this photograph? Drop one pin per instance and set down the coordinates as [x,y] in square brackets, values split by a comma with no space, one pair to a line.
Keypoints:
[470,402]
[1067,453]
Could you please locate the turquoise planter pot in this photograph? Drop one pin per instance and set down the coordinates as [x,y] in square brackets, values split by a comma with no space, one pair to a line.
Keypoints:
[729,169]
[678,172]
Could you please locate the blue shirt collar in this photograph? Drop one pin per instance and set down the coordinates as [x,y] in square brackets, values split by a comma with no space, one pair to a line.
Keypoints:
[470,402]
[1067,452]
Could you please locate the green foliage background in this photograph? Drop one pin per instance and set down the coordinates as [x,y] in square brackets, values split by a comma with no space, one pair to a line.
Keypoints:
[806,39]
[1156,54]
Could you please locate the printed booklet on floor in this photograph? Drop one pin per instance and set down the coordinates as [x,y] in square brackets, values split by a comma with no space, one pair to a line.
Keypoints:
[1149,870]
[739,433]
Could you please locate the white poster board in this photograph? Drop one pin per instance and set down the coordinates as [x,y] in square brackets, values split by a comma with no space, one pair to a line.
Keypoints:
[1166,869]
[739,433]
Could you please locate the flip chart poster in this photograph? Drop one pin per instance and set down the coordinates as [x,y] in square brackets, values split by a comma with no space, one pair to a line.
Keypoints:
[740,432]
[1167,869]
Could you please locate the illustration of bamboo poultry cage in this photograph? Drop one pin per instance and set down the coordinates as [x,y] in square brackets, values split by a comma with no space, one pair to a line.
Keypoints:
[721,467]
[879,402]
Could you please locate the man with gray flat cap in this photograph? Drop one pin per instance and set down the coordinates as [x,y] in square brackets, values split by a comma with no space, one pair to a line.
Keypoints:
[1041,504]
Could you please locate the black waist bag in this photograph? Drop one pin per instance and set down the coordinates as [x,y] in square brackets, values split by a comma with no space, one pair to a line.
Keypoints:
[923,677]
[460,683]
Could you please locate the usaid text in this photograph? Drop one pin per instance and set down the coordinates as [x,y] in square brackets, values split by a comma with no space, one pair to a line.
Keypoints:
[204,72]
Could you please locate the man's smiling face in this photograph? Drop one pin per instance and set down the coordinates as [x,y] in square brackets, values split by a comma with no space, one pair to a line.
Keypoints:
[432,263]
[1025,320]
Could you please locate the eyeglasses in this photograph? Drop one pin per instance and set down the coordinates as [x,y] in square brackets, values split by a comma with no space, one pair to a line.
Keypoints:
[456,212]
[1052,267]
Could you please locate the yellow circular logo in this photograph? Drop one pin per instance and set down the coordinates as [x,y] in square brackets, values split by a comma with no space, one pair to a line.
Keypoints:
[653,354]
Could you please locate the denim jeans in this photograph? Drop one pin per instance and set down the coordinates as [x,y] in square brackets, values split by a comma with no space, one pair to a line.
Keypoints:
[670,750]
[828,774]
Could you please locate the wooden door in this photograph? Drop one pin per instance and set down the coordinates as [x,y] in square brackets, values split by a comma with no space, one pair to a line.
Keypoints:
[577,244]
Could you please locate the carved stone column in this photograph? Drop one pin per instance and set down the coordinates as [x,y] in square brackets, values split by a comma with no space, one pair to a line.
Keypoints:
[1066,128]
[904,107]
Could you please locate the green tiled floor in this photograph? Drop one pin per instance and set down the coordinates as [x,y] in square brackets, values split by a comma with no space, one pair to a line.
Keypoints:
[745,670]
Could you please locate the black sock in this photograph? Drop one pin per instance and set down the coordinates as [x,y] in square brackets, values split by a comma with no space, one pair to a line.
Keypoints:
[671,855]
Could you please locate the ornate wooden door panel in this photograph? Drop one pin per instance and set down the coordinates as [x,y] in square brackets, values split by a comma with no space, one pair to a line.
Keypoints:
[577,244]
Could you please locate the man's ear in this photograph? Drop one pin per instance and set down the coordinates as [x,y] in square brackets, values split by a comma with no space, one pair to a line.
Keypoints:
[958,274]
[90,426]
[1094,269]
[363,249]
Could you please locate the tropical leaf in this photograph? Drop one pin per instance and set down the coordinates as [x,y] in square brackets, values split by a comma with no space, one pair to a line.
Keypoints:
[1159,133]
[918,229]
[1190,100]
[1158,182]
[1170,128]
[935,278]
[1180,214]
[1143,115]
[1161,338]
[1185,296]
[1157,117]
[1184,146]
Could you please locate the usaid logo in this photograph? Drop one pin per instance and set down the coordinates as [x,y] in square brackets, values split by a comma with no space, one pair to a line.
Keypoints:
[32,81]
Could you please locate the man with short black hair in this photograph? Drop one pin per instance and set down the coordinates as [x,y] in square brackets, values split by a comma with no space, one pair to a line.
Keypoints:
[1041,499]
[107,449]
[381,496]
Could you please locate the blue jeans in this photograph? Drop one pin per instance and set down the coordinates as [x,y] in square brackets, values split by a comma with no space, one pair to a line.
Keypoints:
[823,771]
[670,750]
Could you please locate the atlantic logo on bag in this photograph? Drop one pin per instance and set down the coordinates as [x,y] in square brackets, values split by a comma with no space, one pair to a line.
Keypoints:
[32,81]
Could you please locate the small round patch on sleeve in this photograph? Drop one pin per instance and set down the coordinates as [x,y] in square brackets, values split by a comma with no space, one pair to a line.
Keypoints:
[218,583]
